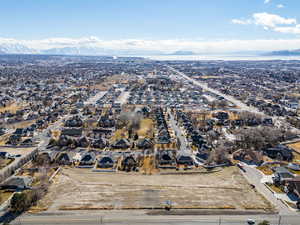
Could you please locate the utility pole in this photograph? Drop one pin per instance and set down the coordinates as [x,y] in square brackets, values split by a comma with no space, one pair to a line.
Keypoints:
[220,221]
[279,220]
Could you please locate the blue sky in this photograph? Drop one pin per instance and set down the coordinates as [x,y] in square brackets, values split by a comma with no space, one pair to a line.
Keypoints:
[189,20]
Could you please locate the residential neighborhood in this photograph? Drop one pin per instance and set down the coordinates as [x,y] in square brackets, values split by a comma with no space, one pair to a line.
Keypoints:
[131,134]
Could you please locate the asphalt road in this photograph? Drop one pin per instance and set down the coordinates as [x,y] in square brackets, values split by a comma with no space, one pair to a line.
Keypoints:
[183,142]
[141,218]
[254,177]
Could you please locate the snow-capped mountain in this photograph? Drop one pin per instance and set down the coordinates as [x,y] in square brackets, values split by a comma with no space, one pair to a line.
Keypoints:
[16,49]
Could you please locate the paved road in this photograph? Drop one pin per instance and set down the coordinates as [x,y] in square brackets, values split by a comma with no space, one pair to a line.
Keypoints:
[184,149]
[254,177]
[139,217]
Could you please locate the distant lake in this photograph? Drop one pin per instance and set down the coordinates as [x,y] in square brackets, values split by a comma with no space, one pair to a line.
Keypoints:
[220,57]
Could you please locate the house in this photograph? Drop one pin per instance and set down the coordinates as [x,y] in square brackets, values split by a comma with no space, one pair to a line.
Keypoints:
[293,186]
[75,121]
[122,143]
[282,175]
[28,141]
[105,162]
[99,143]
[14,139]
[280,152]
[102,131]
[2,131]
[106,122]
[185,160]
[87,159]
[129,163]
[83,142]
[144,143]
[16,183]
[221,115]
[166,159]
[72,132]
[63,158]
[4,155]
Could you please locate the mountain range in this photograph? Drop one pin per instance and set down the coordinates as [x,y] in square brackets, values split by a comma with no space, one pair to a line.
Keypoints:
[285,53]
[86,50]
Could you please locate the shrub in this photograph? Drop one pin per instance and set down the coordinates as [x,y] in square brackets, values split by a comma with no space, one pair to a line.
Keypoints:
[265,222]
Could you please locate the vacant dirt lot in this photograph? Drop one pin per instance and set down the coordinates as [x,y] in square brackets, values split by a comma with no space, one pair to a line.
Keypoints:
[83,189]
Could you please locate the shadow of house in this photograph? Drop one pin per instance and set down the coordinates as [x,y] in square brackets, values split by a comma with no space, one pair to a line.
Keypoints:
[16,183]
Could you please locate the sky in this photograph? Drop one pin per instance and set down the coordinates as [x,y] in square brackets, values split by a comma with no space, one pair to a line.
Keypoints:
[167,25]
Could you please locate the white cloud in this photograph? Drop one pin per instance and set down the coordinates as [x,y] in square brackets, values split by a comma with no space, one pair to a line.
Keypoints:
[272,22]
[288,30]
[241,21]
[267,1]
[280,6]
[167,46]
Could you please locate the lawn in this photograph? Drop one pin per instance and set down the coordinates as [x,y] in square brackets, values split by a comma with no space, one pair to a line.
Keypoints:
[265,169]
[5,162]
[275,188]
[4,195]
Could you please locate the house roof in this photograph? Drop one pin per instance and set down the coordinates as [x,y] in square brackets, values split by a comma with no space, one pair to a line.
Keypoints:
[18,181]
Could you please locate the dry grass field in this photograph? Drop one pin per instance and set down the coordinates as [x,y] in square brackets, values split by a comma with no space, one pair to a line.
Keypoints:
[146,128]
[83,189]
[11,108]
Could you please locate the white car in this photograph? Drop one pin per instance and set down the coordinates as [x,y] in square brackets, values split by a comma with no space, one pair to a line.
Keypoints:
[250,221]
